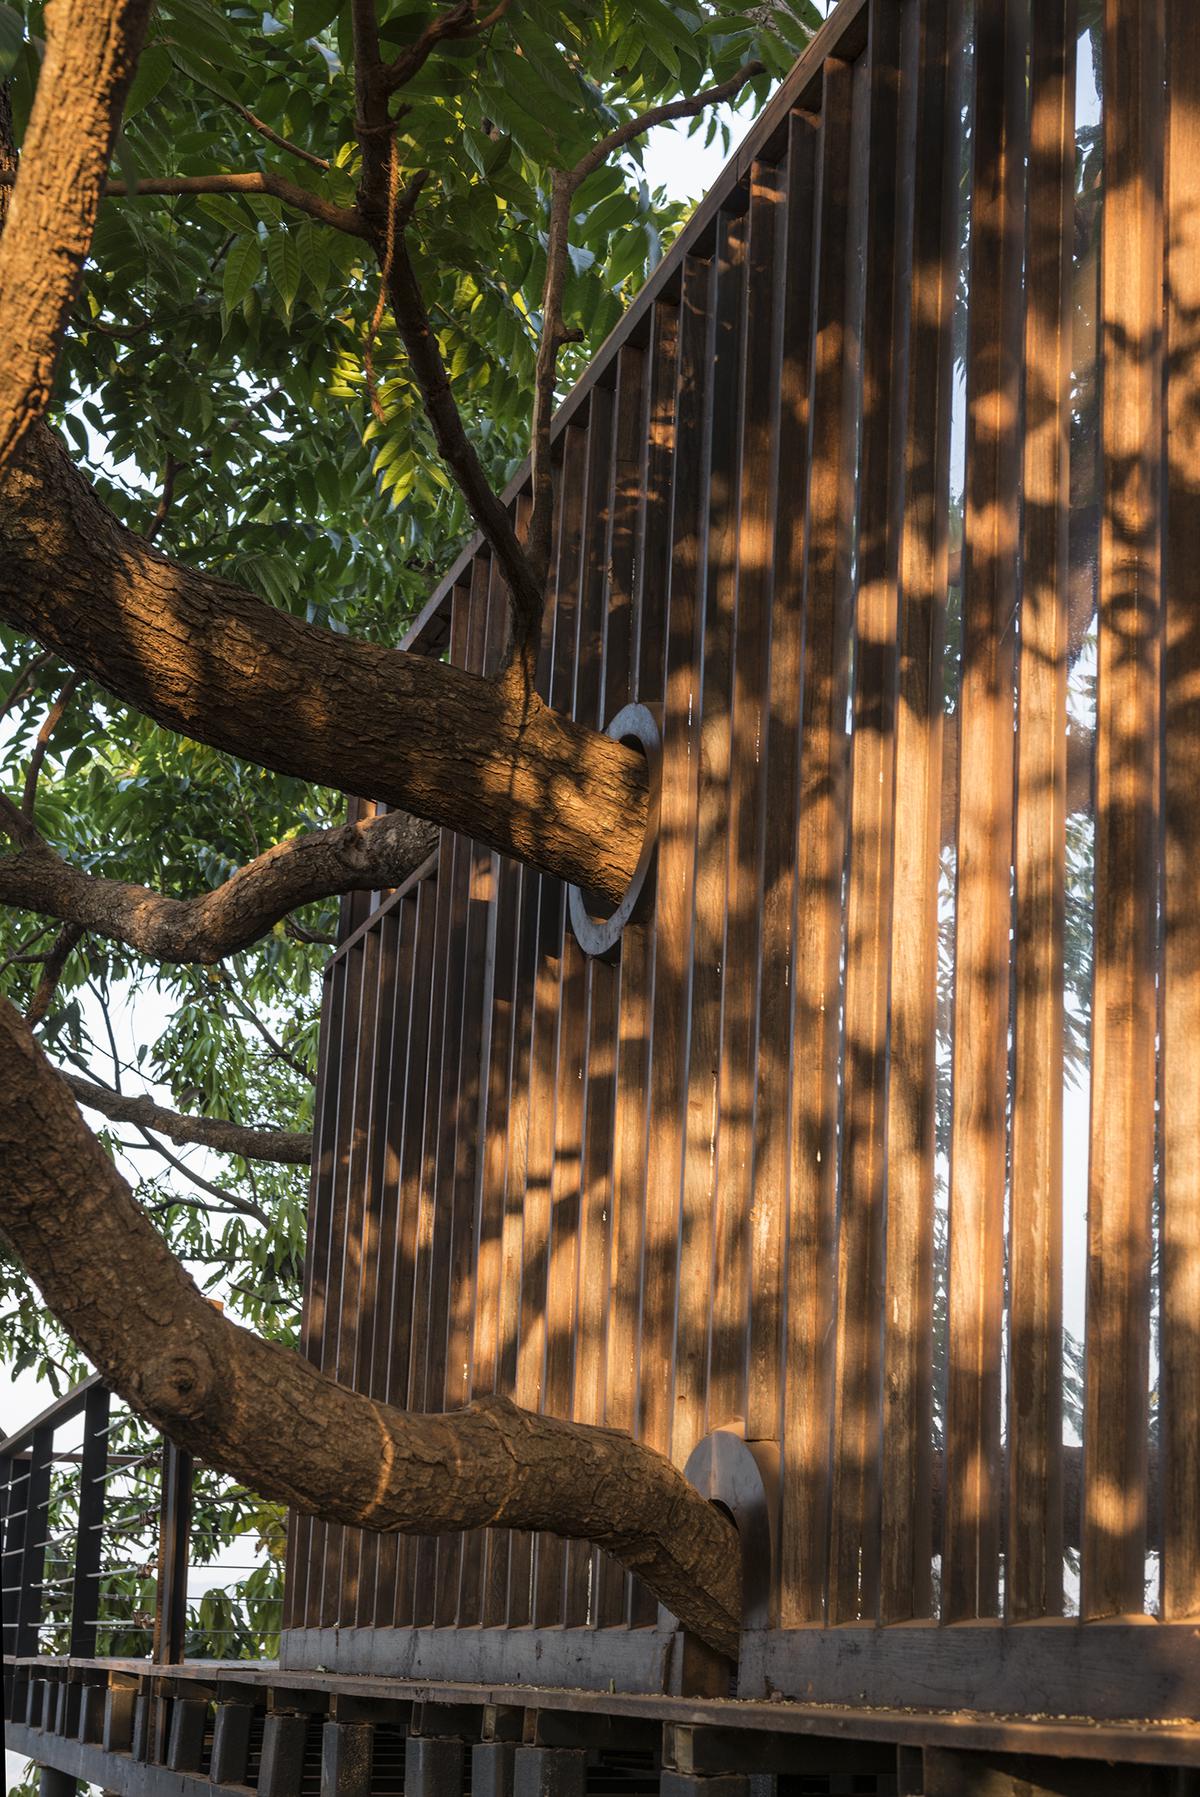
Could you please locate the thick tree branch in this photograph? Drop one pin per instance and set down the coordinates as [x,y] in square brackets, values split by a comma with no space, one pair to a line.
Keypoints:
[91,53]
[207,659]
[292,1147]
[70,1219]
[373,855]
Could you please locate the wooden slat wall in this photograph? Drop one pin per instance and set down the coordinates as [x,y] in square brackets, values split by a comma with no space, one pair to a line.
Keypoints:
[694,1187]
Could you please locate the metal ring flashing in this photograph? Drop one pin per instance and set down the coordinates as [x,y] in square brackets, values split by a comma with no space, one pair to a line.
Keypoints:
[599,936]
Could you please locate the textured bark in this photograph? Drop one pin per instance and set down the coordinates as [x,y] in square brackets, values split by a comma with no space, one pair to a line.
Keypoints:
[91,53]
[290,1146]
[377,853]
[208,659]
[269,1418]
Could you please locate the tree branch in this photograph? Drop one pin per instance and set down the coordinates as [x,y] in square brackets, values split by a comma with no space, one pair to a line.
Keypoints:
[459,21]
[52,720]
[326,212]
[259,125]
[291,1147]
[251,1016]
[91,53]
[210,660]
[64,946]
[377,853]
[171,472]
[564,186]
[71,1220]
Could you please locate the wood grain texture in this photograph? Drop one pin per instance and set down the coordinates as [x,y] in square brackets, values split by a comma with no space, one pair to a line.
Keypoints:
[1181,999]
[820,851]
[906,1546]
[1124,1005]
[793,301]
[984,839]
[854,1545]
[1033,1585]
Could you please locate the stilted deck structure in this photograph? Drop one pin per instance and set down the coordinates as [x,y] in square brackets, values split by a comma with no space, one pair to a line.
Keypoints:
[878,528]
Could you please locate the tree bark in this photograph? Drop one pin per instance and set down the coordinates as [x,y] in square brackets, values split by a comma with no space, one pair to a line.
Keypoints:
[371,855]
[91,53]
[266,1416]
[290,1146]
[210,660]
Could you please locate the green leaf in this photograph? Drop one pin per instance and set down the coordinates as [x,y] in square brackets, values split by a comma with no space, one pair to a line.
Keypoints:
[154,71]
[283,261]
[312,16]
[12,35]
[242,267]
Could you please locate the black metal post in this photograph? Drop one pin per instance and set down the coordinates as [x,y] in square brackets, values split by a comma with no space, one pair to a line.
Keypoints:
[33,1549]
[14,1472]
[93,1465]
[170,1610]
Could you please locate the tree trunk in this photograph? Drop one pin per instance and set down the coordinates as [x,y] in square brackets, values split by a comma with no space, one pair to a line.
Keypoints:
[269,1418]
[212,661]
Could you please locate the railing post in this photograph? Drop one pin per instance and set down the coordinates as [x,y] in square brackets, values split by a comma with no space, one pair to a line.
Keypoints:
[93,1466]
[170,1609]
[33,1548]
[14,1484]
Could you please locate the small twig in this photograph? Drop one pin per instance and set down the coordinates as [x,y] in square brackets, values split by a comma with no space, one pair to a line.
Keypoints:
[252,1017]
[52,721]
[21,957]
[171,473]
[53,966]
[243,1205]
[23,682]
[461,20]
[259,125]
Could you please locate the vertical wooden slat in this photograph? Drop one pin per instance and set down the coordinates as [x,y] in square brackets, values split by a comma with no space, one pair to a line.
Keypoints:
[316,1239]
[858,1397]
[749,723]
[700,1025]
[1127,819]
[1033,1567]
[357,1225]
[676,864]
[984,906]
[420,1554]
[483,1318]
[604,601]
[906,1534]
[544,1094]
[564,1265]
[515,1123]
[395,966]
[328,1573]
[379,1561]
[393,1603]
[792,299]
[488,633]
[1181,1027]
[819,853]
[630,1130]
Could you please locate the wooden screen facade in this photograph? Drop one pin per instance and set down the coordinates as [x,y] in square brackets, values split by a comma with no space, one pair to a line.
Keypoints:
[896,456]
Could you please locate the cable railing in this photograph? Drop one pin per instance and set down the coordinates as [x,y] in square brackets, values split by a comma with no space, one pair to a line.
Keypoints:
[115,1545]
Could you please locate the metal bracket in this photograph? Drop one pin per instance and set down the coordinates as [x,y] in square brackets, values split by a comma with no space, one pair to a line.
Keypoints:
[637,725]
[743,1477]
